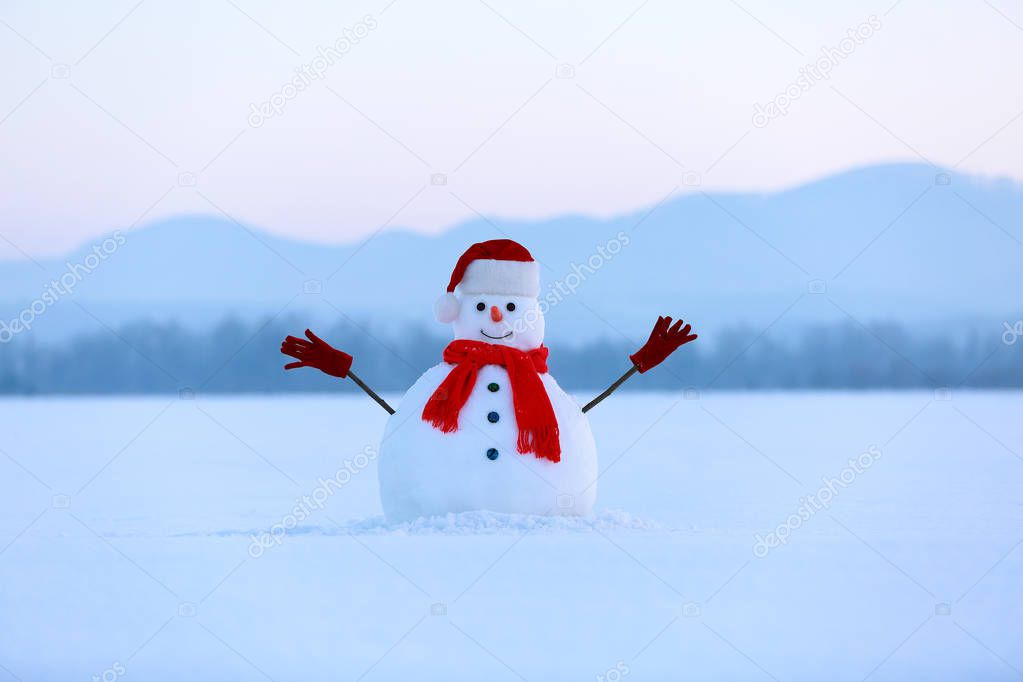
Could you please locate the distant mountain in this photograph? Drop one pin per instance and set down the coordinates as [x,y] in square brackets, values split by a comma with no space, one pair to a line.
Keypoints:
[902,242]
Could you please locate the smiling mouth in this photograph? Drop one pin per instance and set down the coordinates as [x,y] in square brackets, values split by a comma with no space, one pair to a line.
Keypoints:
[496,338]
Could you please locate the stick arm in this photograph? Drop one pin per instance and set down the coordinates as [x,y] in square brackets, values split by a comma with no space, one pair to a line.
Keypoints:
[664,340]
[370,392]
[610,389]
[317,353]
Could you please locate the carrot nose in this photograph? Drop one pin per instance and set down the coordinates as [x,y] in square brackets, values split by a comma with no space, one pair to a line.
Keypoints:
[495,314]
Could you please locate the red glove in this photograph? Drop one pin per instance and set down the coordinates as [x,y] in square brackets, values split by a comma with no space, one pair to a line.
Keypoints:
[316,353]
[663,342]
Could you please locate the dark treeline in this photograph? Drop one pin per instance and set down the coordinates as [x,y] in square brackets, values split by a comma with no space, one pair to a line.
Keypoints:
[238,357]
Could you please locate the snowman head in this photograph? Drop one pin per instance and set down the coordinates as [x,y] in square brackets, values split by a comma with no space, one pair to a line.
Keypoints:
[492,296]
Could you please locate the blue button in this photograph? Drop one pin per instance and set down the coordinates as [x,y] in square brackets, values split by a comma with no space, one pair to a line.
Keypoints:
[492,454]
[493,417]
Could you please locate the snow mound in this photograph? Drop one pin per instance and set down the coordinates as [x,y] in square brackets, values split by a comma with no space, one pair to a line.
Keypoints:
[464,523]
[494,523]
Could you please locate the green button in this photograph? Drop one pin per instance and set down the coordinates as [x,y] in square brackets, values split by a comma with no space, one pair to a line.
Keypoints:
[493,388]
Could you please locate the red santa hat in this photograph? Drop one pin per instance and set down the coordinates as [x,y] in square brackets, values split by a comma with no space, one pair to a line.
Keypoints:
[498,266]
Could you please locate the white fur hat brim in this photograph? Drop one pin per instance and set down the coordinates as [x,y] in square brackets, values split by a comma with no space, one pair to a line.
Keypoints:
[508,277]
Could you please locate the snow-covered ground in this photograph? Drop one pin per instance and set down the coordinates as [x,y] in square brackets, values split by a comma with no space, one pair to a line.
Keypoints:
[144,538]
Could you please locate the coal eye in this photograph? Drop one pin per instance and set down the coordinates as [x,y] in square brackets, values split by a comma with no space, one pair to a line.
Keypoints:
[481,306]
[510,307]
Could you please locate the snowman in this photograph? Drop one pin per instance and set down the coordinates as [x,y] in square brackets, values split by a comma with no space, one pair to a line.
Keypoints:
[488,428]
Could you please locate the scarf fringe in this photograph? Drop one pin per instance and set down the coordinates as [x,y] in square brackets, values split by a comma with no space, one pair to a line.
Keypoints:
[441,421]
[544,442]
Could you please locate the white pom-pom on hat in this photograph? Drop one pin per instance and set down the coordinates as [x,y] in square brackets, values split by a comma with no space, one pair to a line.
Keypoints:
[446,308]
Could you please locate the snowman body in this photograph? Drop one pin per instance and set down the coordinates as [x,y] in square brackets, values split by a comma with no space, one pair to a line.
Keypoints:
[492,299]
[426,472]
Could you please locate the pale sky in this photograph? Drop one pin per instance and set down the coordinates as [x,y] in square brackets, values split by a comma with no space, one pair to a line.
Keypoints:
[110,111]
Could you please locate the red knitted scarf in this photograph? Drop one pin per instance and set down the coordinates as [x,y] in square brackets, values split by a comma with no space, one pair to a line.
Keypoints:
[538,427]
